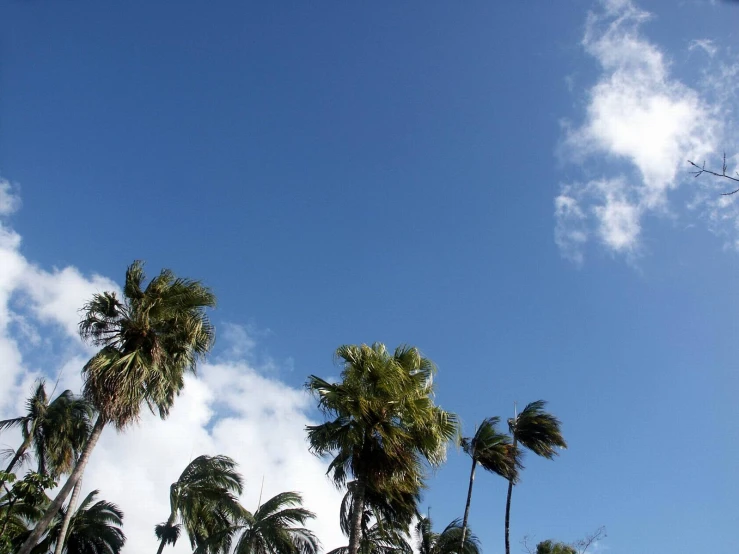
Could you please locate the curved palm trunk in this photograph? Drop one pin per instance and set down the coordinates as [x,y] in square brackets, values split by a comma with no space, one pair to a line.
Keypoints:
[170,522]
[467,506]
[62,539]
[17,456]
[53,509]
[508,505]
[355,532]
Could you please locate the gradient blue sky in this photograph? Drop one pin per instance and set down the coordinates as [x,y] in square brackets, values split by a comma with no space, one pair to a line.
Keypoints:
[396,172]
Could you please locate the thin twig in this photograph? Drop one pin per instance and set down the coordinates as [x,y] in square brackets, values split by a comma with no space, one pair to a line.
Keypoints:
[701,169]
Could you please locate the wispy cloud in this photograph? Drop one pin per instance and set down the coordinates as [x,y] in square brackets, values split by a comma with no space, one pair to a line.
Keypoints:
[639,127]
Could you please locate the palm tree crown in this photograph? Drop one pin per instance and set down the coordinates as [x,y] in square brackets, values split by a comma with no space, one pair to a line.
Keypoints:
[449,541]
[55,430]
[149,340]
[205,488]
[277,527]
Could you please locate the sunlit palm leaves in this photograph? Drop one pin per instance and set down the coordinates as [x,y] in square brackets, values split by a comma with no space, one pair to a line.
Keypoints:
[383,424]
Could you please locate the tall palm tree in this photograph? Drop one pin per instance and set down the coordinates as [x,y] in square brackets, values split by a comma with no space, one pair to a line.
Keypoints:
[207,485]
[449,541]
[539,432]
[383,424]
[148,341]
[494,452]
[56,430]
[277,527]
[94,529]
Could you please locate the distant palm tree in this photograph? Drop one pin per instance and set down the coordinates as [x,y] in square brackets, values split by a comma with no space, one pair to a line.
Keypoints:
[149,341]
[206,486]
[449,541]
[539,432]
[383,424]
[277,527]
[494,452]
[94,529]
[56,430]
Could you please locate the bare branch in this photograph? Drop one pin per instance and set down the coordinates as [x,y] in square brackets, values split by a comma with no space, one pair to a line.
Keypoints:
[701,169]
[582,545]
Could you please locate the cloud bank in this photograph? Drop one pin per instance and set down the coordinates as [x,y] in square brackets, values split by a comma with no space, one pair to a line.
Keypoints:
[230,408]
[641,124]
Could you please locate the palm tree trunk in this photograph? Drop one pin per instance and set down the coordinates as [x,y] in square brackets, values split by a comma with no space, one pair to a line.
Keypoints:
[68,517]
[508,506]
[53,509]
[467,506]
[170,522]
[355,532]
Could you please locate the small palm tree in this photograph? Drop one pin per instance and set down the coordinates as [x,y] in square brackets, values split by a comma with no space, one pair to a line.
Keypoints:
[449,541]
[148,341]
[494,452]
[206,486]
[383,424]
[56,430]
[539,432]
[277,527]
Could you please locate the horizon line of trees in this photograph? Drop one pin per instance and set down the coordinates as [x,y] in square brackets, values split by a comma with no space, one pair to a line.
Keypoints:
[382,431]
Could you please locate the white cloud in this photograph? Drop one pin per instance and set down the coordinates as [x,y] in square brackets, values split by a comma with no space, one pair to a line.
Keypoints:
[705,44]
[230,408]
[10,201]
[640,123]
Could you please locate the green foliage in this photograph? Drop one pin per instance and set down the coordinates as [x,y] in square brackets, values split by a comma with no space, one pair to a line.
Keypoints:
[202,500]
[449,541]
[277,527]
[148,341]
[549,547]
[493,450]
[55,430]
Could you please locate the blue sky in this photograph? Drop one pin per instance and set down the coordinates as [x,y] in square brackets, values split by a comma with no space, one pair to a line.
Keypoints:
[503,185]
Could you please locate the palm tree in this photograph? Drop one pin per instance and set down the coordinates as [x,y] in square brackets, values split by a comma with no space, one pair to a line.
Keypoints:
[94,529]
[275,528]
[382,537]
[207,485]
[494,452]
[385,522]
[55,430]
[449,541]
[539,432]
[383,424]
[148,341]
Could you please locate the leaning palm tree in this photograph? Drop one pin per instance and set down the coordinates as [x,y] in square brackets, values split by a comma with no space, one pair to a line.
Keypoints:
[94,529]
[277,527]
[494,452]
[148,341]
[207,485]
[449,541]
[383,424]
[56,430]
[539,432]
